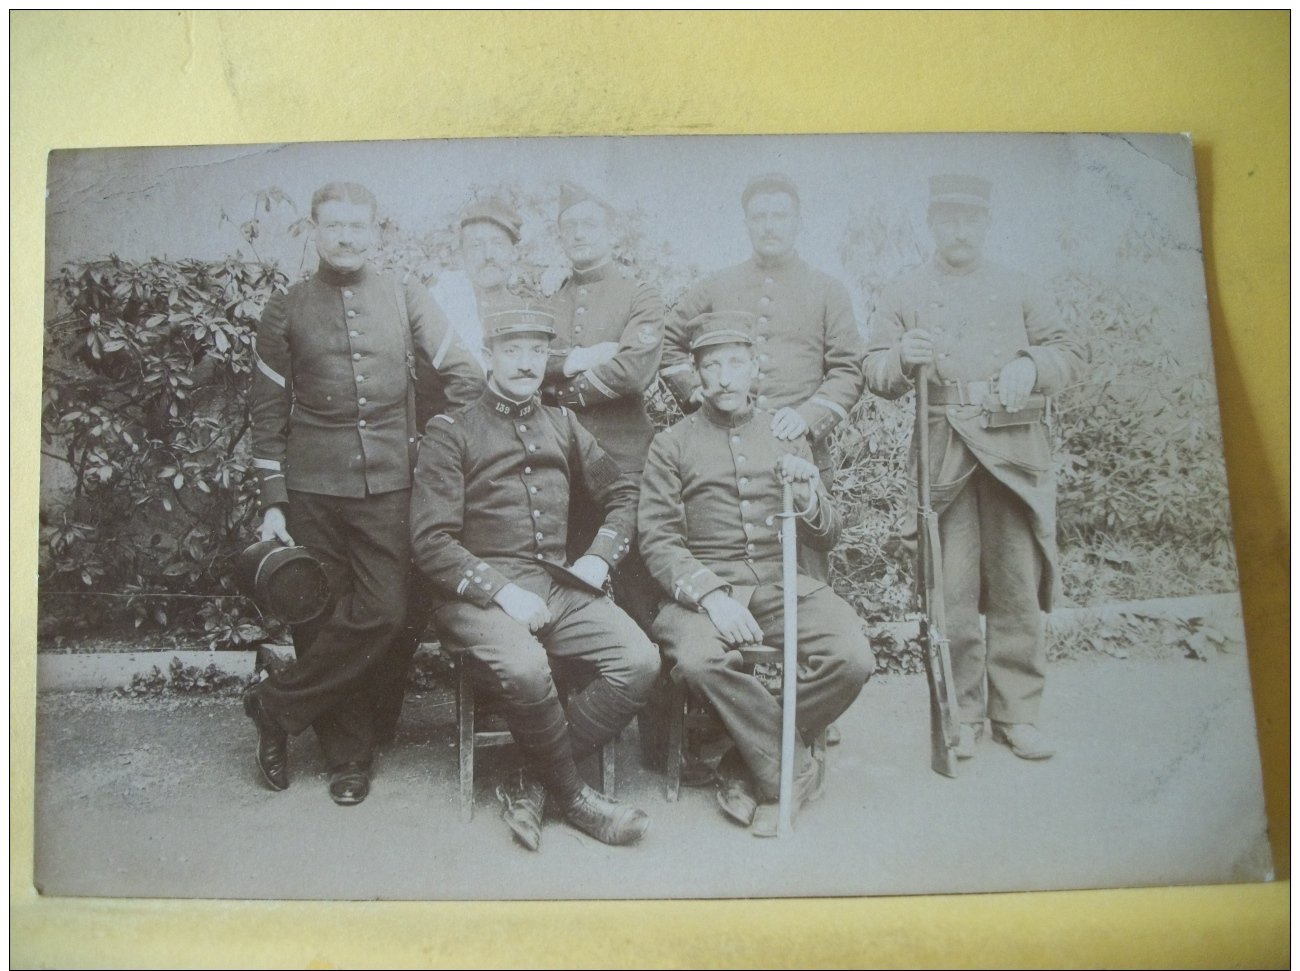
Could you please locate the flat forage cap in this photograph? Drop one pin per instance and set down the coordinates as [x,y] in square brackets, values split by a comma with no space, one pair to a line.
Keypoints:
[722,327]
[571,195]
[960,190]
[510,321]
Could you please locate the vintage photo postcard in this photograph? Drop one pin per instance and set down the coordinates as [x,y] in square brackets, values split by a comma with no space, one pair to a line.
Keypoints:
[654,517]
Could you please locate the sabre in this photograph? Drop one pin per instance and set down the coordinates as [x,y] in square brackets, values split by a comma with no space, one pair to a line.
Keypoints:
[789,574]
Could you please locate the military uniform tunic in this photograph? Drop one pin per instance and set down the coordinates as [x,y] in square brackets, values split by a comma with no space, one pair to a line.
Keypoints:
[807,342]
[709,519]
[334,437]
[595,306]
[489,508]
[993,487]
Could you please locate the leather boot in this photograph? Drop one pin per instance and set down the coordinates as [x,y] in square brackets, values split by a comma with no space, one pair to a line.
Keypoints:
[606,819]
[272,742]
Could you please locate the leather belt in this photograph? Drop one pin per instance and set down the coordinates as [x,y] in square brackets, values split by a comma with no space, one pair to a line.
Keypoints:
[962,392]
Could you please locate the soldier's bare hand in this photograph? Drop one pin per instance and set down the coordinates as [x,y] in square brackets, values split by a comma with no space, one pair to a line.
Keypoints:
[524,607]
[592,569]
[582,358]
[917,349]
[802,475]
[274,526]
[1016,382]
[788,425]
[732,619]
[696,398]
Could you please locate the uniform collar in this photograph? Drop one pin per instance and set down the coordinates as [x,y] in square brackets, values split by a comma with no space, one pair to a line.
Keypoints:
[594,274]
[728,419]
[947,270]
[499,404]
[780,263]
[341,278]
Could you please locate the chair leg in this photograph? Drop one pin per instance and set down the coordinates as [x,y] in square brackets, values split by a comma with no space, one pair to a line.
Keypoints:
[607,753]
[465,740]
[676,737]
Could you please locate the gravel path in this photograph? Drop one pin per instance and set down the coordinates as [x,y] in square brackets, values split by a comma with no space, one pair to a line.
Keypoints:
[1157,781]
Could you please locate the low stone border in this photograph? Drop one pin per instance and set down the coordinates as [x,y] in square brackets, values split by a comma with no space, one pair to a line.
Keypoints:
[88,672]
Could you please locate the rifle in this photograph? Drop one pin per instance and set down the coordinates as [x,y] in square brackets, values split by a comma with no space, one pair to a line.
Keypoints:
[944,727]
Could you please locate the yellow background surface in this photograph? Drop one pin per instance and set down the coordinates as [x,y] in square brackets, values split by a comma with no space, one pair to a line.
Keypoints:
[82,80]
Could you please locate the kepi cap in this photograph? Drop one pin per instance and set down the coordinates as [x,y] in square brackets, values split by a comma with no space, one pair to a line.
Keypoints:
[510,321]
[771,182]
[722,327]
[495,211]
[960,190]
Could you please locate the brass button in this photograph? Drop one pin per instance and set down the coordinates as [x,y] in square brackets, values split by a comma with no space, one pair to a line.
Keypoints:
[347,293]
[356,356]
[361,401]
[581,310]
[353,333]
[360,378]
[352,313]
[361,423]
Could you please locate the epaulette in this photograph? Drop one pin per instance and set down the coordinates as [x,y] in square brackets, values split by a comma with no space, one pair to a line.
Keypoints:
[447,418]
[564,411]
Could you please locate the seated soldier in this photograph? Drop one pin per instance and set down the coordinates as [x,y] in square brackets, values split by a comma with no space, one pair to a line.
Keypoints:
[710,532]
[489,515]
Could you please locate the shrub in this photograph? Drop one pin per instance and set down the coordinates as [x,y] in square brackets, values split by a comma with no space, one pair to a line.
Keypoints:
[146,371]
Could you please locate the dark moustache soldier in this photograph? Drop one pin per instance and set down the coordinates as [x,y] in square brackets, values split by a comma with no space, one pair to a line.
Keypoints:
[808,347]
[490,518]
[609,335]
[997,347]
[334,433]
[711,535]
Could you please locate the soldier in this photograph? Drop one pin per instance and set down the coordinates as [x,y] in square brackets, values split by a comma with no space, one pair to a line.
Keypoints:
[490,519]
[993,347]
[710,534]
[489,233]
[808,345]
[334,436]
[609,335]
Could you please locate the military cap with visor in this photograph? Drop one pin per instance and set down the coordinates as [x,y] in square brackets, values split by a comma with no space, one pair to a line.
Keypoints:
[518,321]
[960,190]
[493,211]
[722,327]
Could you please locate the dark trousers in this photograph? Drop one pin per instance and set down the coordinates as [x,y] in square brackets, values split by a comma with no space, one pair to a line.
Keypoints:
[835,661]
[590,642]
[352,660]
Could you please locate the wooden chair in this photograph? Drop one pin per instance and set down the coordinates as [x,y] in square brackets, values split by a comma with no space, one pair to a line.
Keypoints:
[471,701]
[690,718]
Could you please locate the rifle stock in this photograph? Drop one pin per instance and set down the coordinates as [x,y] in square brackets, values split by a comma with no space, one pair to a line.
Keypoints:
[944,725]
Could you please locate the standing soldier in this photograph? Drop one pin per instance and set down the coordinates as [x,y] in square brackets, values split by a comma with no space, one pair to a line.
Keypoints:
[490,519]
[808,345]
[993,348]
[609,335]
[334,435]
[489,233]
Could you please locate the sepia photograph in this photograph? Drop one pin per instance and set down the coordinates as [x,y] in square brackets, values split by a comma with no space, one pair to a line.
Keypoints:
[642,517]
